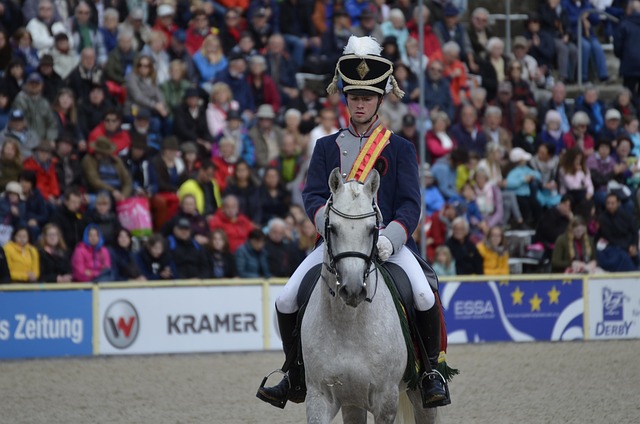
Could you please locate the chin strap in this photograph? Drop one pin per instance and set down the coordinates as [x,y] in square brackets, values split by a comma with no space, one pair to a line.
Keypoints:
[376,112]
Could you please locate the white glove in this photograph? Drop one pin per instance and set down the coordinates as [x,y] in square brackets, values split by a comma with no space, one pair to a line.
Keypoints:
[385,248]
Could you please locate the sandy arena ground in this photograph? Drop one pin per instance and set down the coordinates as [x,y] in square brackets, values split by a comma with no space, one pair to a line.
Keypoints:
[579,382]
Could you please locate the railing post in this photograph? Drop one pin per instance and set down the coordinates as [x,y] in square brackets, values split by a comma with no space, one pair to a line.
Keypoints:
[421,119]
[579,64]
[508,27]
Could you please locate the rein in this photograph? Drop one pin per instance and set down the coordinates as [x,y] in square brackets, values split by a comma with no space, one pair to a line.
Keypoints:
[333,259]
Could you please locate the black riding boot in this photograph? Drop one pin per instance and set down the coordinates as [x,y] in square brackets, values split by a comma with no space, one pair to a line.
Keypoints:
[292,386]
[434,390]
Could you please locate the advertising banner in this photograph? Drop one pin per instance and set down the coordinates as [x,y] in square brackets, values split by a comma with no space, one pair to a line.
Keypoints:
[513,310]
[35,324]
[180,319]
[614,309]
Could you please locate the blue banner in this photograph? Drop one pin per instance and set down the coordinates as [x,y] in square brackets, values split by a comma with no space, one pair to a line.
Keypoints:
[46,323]
[513,310]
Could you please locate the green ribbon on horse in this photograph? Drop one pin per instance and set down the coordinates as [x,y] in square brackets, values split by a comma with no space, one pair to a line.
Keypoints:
[412,373]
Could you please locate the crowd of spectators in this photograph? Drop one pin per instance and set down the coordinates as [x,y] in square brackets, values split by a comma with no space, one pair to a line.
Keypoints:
[210,110]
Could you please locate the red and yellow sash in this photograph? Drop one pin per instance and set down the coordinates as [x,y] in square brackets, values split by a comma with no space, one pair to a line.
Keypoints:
[369,154]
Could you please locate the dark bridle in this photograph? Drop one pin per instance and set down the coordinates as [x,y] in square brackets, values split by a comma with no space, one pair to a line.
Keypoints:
[333,259]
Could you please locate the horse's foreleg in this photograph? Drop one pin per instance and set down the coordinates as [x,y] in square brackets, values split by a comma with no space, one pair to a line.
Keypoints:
[319,409]
[422,415]
[386,407]
[354,415]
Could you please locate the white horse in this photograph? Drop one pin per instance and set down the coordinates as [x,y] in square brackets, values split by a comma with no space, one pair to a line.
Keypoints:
[353,347]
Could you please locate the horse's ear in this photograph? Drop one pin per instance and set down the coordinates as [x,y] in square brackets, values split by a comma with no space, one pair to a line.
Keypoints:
[373,183]
[335,180]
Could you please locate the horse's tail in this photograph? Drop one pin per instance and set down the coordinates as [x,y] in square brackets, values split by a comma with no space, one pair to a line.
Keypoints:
[405,410]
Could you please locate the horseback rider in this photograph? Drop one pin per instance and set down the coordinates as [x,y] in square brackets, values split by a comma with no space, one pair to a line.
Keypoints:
[363,146]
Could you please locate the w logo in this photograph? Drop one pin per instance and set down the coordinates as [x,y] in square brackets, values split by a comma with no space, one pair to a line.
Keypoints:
[121,324]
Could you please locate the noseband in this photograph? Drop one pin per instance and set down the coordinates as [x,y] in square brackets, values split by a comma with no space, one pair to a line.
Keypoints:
[333,259]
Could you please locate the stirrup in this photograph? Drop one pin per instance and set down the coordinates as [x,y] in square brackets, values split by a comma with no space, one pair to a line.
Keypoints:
[278,403]
[427,403]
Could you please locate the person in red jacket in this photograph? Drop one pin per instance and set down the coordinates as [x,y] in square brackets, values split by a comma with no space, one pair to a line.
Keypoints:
[234,224]
[164,22]
[264,89]
[439,141]
[46,176]
[438,228]
[432,47]
[240,6]
[198,31]
[225,161]
[110,127]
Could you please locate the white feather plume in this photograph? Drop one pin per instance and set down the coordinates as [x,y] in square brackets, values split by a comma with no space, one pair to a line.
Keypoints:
[362,46]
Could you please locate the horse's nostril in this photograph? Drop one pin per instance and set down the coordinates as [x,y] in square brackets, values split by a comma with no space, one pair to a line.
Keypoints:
[352,296]
[342,291]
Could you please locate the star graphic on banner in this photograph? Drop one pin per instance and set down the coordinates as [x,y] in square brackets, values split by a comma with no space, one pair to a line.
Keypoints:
[535,302]
[554,295]
[516,295]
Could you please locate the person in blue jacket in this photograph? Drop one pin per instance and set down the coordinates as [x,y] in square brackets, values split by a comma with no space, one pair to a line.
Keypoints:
[521,179]
[366,77]
[626,49]
[591,47]
[234,75]
[252,257]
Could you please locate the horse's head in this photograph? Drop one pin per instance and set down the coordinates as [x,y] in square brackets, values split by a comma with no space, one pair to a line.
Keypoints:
[351,234]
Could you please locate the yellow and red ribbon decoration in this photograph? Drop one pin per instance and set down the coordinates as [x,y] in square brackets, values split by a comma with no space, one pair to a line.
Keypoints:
[369,154]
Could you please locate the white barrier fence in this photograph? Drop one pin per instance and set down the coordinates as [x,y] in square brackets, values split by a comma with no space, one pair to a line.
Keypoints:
[236,315]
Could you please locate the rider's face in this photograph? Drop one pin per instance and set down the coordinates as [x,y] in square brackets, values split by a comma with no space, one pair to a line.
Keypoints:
[362,108]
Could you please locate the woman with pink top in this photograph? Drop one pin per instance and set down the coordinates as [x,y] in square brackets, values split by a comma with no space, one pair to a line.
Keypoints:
[575,180]
[221,103]
[91,260]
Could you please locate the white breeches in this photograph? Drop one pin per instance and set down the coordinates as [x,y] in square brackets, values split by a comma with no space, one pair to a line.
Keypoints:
[423,297]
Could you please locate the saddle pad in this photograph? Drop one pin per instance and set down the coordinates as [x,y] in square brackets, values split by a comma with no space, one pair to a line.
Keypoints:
[308,284]
[403,286]
[400,287]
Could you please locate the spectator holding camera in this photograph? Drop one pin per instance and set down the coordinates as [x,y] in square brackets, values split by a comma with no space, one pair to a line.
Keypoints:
[68,217]
[154,261]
